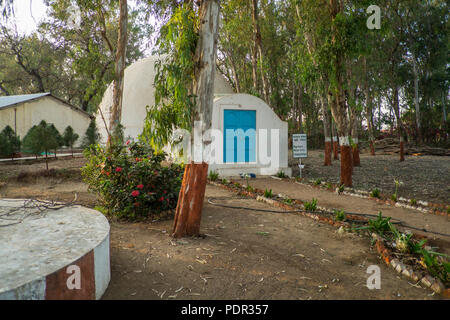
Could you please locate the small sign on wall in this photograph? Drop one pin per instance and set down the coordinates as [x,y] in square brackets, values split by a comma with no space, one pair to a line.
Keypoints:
[299,146]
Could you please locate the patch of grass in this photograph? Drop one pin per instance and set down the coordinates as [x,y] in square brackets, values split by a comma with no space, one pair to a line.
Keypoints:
[101,209]
[311,206]
[375,193]
[329,186]
[263,233]
[225,181]
[339,215]
[213,175]
[341,188]
[268,193]
[288,201]
[281,174]
[394,197]
[237,185]
[249,188]
[317,182]
[413,202]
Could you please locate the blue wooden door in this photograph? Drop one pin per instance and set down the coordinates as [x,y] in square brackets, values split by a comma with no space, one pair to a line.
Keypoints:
[239,143]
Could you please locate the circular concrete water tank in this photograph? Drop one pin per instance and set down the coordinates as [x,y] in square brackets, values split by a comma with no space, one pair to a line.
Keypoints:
[50,251]
[137,94]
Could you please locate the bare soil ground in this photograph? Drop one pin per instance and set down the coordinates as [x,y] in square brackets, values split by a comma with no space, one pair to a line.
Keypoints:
[423,177]
[349,204]
[245,254]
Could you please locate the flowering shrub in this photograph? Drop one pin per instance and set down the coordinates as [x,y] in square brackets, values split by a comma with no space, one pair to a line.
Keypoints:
[131,180]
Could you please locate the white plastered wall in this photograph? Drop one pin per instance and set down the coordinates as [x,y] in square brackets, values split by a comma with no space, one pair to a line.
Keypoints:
[139,92]
[265,119]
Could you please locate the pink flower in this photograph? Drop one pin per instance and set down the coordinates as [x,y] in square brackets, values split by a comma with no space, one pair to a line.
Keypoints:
[119,169]
[128,142]
[135,193]
[140,186]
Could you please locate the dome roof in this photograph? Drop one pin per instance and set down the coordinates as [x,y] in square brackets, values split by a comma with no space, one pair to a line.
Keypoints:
[138,93]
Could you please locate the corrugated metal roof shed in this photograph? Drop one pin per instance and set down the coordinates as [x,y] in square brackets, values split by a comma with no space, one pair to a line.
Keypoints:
[6,101]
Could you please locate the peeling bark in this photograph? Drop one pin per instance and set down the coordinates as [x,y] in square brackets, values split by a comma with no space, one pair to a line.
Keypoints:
[192,193]
[119,69]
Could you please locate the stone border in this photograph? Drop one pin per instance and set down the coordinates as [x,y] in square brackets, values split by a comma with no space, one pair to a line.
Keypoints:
[423,206]
[427,280]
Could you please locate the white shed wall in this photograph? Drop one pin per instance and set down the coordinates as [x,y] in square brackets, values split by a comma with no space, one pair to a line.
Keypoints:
[46,108]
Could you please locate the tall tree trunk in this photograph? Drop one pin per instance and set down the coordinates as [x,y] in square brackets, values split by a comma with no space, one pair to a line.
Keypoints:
[300,107]
[338,104]
[190,202]
[369,109]
[235,75]
[416,101]
[444,116]
[335,140]
[326,131]
[396,107]
[355,142]
[258,47]
[119,68]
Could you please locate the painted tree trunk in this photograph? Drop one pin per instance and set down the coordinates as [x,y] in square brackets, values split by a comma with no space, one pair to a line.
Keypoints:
[336,96]
[326,132]
[119,69]
[355,142]
[190,202]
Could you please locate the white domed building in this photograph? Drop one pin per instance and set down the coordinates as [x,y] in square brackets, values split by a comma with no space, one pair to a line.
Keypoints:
[262,149]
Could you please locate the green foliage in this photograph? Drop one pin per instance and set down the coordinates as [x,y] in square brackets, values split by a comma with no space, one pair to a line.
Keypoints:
[57,135]
[288,201]
[394,197]
[380,225]
[311,206]
[69,137]
[339,215]
[132,181]
[174,101]
[375,193]
[329,186]
[413,202]
[281,174]
[225,181]
[268,193]
[9,143]
[317,182]
[40,138]
[341,188]
[213,175]
[92,136]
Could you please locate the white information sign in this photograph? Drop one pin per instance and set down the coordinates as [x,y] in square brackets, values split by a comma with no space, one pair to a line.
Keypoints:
[299,146]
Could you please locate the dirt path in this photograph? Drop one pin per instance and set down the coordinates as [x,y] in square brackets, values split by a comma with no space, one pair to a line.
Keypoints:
[332,200]
[424,178]
[247,255]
